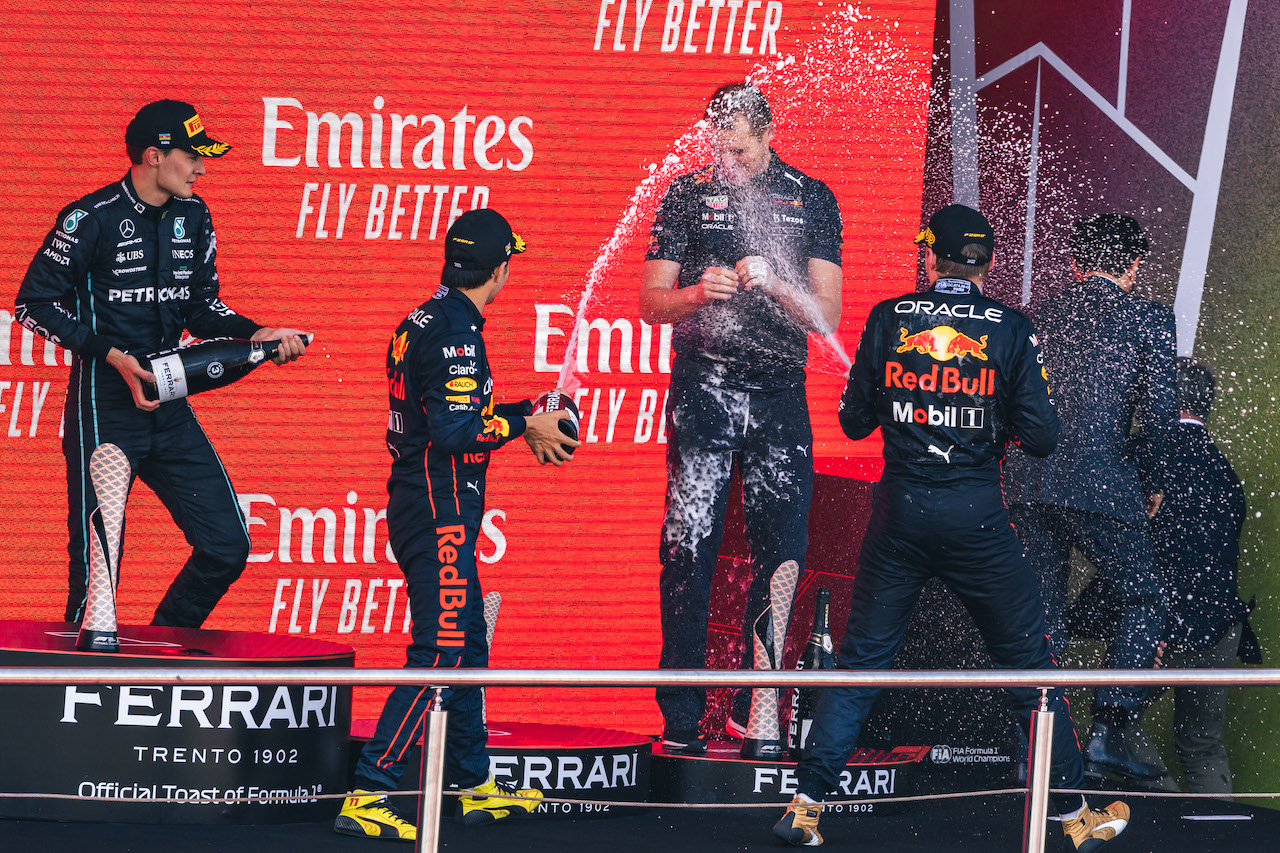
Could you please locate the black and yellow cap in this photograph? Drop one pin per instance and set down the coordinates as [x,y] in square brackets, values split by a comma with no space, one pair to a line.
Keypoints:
[480,240]
[954,227]
[173,124]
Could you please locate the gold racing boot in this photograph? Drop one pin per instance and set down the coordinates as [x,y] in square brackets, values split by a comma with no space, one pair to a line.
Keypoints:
[1094,827]
[799,826]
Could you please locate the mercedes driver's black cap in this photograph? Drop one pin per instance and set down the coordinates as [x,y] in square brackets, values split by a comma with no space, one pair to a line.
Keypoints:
[954,227]
[480,240]
[172,124]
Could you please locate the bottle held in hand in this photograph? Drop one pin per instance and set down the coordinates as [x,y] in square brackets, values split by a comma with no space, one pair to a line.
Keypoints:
[818,654]
[183,371]
[554,401]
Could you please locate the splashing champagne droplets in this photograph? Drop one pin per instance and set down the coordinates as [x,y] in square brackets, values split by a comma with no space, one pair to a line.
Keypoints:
[846,71]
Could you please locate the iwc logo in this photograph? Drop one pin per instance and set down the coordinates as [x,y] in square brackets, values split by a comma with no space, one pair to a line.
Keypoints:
[214,369]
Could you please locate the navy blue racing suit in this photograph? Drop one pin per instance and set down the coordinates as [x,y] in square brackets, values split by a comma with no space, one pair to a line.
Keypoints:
[950,377]
[117,272]
[441,428]
[737,397]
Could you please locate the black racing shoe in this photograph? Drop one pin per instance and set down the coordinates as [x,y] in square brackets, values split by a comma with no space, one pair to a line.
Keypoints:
[1108,752]
[684,743]
[372,816]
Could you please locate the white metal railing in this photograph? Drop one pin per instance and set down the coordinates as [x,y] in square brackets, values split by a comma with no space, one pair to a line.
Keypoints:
[1035,815]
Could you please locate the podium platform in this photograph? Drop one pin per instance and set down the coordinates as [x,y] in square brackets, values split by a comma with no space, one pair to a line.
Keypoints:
[205,746]
[570,762]
[721,776]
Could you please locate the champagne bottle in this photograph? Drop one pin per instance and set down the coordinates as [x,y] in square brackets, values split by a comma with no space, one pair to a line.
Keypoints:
[554,401]
[818,654]
[183,371]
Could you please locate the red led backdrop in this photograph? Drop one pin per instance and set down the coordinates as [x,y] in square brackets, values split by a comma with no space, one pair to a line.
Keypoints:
[359,131]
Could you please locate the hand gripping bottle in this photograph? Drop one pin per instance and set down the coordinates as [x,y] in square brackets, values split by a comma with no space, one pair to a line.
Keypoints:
[210,364]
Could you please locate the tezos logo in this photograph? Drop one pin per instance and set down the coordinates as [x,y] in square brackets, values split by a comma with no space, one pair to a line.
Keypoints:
[940,755]
[215,369]
[127,229]
[179,227]
[72,222]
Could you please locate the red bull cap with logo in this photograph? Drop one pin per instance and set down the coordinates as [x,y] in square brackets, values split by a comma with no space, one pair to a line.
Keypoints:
[954,227]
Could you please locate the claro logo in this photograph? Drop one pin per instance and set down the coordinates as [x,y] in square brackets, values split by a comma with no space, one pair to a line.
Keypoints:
[293,134]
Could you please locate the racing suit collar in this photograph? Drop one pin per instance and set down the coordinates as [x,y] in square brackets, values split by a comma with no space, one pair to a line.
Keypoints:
[476,316]
[947,284]
[1102,281]
[140,206]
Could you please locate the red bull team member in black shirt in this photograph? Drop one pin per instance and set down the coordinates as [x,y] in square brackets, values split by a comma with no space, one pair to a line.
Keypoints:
[442,427]
[123,272]
[950,377]
[745,261]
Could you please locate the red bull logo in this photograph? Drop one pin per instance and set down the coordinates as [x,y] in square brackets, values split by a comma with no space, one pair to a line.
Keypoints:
[496,428]
[947,380]
[943,343]
[395,384]
[399,345]
[450,542]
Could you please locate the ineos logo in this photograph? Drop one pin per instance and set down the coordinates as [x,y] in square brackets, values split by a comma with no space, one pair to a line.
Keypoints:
[214,369]
[940,755]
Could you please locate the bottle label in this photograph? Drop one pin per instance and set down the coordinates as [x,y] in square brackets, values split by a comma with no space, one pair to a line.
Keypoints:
[171,377]
[805,725]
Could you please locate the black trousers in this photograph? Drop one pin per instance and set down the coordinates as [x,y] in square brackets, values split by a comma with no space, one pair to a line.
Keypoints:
[439,565]
[170,452]
[1122,554]
[960,534]
[712,428]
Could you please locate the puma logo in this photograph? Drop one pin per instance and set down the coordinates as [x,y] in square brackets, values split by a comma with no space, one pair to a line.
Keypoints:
[792,177]
[946,456]
[471,484]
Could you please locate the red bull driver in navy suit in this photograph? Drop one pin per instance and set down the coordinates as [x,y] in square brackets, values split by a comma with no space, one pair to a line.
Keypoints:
[442,428]
[950,377]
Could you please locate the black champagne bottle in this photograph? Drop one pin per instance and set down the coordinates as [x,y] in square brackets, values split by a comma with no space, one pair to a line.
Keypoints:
[818,654]
[210,364]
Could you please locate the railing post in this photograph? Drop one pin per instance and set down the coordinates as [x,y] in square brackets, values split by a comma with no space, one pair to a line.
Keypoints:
[1036,815]
[432,777]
